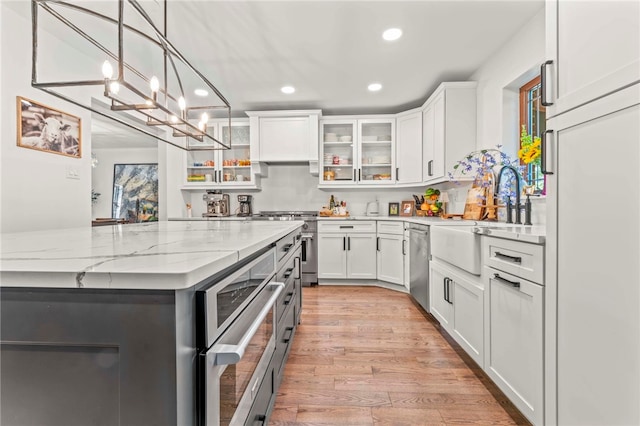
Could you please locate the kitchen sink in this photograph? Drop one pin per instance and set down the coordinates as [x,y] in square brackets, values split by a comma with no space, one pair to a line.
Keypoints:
[458,245]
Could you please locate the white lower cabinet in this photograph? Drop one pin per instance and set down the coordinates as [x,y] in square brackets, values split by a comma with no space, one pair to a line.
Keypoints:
[391,252]
[346,249]
[515,351]
[457,302]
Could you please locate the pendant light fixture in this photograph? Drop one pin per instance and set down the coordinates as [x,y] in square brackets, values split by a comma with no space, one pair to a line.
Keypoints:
[146,83]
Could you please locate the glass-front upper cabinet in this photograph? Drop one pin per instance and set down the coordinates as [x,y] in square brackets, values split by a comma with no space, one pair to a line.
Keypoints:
[357,151]
[227,167]
[377,151]
[338,151]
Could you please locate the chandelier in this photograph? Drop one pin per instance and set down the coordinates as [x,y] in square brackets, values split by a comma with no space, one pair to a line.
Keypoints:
[118,63]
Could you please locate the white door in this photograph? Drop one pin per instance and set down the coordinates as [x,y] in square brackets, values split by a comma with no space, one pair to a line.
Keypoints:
[440,298]
[595,49]
[338,154]
[515,353]
[593,271]
[361,256]
[409,148]
[439,123]
[377,151]
[468,317]
[332,256]
[427,142]
[390,256]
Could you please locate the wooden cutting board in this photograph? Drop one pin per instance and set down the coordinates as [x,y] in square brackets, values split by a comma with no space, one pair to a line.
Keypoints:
[473,208]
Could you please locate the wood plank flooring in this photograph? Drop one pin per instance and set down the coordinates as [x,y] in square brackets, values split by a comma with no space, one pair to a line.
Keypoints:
[371,356]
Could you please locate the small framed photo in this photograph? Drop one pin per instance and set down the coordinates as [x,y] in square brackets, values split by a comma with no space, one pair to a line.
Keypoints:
[407,208]
[394,209]
[47,129]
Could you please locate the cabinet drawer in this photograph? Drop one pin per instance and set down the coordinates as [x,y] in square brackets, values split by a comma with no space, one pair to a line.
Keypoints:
[389,227]
[286,298]
[521,259]
[285,331]
[347,226]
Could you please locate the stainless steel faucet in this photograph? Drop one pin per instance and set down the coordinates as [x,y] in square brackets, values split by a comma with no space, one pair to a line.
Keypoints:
[509,205]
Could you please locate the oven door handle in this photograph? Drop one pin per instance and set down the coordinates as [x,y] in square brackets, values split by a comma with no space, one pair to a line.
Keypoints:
[231,353]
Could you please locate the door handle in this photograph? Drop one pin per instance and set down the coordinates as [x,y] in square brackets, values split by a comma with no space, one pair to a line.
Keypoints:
[497,277]
[290,331]
[296,263]
[354,175]
[359,175]
[377,243]
[543,153]
[287,272]
[444,282]
[430,167]
[449,291]
[397,173]
[404,252]
[344,243]
[348,243]
[543,84]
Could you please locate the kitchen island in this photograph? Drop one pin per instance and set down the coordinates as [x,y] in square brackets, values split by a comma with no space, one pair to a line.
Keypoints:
[98,323]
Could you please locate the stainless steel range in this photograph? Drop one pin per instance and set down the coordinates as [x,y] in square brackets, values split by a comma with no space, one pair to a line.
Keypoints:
[309,239]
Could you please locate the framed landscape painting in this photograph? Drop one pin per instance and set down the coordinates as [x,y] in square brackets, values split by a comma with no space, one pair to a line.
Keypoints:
[135,192]
[47,129]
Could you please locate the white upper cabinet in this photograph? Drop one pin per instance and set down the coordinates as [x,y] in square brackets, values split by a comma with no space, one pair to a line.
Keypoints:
[357,151]
[448,129]
[285,136]
[592,49]
[226,168]
[409,147]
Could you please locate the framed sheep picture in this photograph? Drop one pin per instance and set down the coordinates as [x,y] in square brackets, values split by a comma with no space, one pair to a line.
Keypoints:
[47,129]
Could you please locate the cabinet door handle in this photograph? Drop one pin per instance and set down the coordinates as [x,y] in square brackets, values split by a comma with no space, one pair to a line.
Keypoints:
[344,243]
[296,264]
[543,83]
[404,251]
[288,299]
[354,175]
[290,331]
[377,243]
[348,243]
[430,167]
[543,152]
[397,173]
[446,289]
[287,272]
[515,259]
[359,175]
[497,277]
[346,226]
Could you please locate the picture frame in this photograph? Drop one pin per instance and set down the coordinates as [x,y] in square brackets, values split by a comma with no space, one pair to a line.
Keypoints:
[408,208]
[135,192]
[48,129]
[394,209]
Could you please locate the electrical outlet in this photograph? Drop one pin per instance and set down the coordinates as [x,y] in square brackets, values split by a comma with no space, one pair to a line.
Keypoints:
[72,173]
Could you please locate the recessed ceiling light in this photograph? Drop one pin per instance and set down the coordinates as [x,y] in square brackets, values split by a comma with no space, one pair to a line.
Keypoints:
[374,87]
[201,92]
[392,34]
[288,90]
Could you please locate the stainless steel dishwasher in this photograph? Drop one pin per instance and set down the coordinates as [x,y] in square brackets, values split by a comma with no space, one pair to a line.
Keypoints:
[419,264]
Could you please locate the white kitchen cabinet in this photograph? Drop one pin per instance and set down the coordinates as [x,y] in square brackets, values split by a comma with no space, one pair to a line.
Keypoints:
[514,342]
[592,304]
[449,129]
[391,252]
[227,168]
[285,136]
[457,301]
[594,49]
[346,249]
[409,147]
[357,151]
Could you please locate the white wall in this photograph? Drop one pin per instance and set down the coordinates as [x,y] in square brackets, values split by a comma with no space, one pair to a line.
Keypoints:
[34,191]
[499,79]
[102,175]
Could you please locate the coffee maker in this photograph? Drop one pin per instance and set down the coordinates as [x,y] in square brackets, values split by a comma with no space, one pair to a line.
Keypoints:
[217,203]
[245,205]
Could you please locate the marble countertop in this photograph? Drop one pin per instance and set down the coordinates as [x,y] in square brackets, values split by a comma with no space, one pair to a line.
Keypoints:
[161,255]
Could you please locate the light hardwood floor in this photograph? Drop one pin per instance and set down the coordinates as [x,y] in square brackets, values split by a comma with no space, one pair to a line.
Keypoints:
[371,356]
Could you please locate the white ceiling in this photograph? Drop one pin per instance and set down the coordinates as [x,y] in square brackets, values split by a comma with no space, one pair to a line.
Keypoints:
[331,50]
